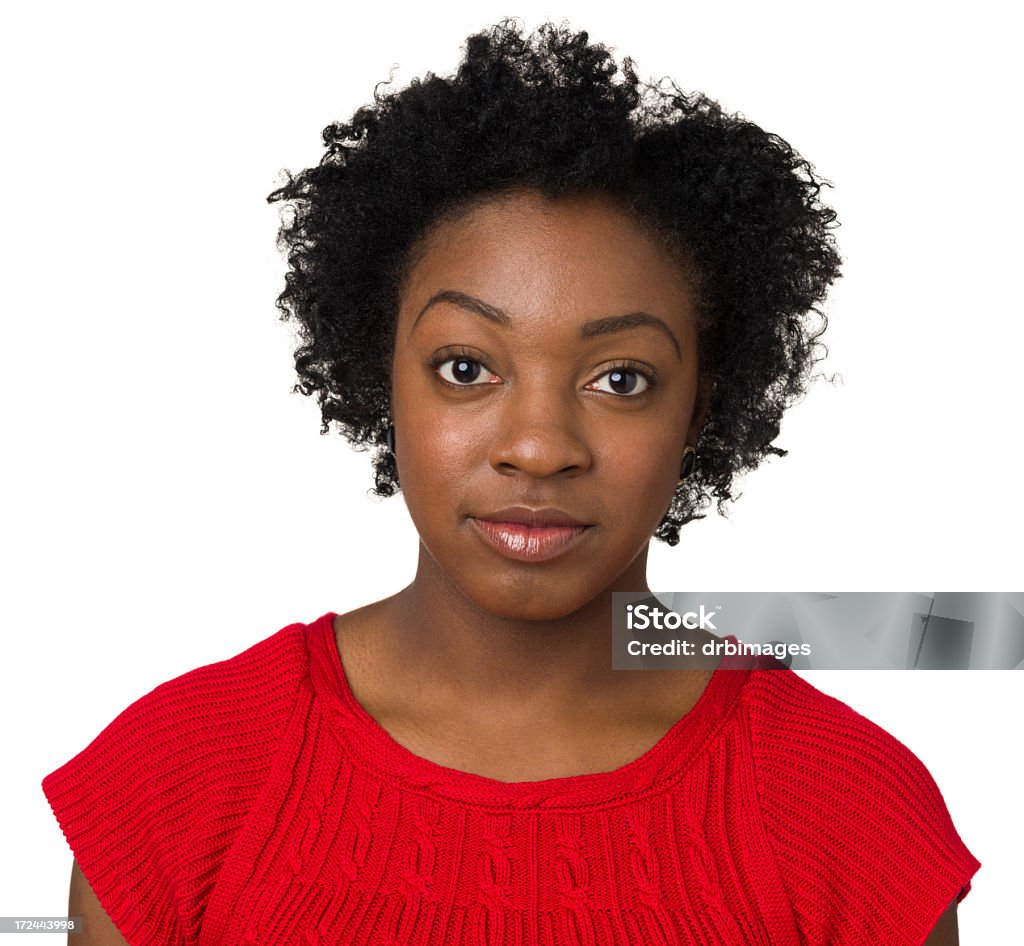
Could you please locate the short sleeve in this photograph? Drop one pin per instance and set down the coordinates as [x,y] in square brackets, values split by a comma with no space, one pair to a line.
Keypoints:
[861,833]
[152,804]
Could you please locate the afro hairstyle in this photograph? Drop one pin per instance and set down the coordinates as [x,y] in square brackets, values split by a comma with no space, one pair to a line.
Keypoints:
[553,111]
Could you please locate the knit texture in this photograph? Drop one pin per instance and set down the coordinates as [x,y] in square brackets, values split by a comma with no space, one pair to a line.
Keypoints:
[254,801]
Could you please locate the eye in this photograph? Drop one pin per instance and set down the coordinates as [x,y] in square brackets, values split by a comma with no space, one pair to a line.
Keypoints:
[463,372]
[622,381]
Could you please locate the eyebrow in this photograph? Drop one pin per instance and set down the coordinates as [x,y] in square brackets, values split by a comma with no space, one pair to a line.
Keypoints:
[603,326]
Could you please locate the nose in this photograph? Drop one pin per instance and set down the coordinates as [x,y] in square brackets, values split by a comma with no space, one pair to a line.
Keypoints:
[539,436]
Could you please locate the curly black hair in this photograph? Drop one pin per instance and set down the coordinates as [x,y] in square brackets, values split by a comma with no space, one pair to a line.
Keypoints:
[553,111]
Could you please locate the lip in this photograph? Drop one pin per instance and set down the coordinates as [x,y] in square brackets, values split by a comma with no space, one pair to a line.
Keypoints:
[526,543]
[523,515]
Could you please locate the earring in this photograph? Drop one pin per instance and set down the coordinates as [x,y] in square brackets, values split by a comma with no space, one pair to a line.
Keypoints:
[689,462]
[389,438]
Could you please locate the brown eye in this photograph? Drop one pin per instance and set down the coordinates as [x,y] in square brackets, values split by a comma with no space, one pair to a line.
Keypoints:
[622,381]
[464,372]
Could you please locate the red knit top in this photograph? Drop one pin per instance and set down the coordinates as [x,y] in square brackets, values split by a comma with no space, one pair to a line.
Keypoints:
[254,801]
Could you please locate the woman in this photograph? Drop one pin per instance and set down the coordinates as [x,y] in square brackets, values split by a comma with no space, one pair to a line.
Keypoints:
[568,310]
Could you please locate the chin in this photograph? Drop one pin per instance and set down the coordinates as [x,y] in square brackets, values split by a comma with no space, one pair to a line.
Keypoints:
[517,610]
[547,599]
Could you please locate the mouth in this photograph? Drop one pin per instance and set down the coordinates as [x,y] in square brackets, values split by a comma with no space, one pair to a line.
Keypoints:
[527,535]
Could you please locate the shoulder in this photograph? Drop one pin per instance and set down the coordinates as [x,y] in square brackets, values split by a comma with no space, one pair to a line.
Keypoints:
[210,700]
[812,748]
[151,805]
[212,703]
[795,723]
[860,830]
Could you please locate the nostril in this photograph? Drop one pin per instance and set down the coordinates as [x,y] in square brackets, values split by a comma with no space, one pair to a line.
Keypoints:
[540,456]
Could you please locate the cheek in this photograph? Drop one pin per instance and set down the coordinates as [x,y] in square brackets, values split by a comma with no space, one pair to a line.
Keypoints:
[641,472]
[640,459]
[442,437]
[439,451]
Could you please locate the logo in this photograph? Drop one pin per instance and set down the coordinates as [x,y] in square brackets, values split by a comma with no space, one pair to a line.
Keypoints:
[641,617]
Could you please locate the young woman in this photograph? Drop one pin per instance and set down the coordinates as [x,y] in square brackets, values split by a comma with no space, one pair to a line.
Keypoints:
[567,309]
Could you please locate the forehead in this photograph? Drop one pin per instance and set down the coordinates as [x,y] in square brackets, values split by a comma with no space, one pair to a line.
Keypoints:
[533,255]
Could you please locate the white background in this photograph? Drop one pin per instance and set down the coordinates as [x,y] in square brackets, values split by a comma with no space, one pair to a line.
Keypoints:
[168,501]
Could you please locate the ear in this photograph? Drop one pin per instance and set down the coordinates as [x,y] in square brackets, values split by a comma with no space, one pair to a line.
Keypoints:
[705,389]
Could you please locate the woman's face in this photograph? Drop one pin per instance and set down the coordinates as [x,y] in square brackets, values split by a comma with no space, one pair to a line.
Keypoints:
[545,383]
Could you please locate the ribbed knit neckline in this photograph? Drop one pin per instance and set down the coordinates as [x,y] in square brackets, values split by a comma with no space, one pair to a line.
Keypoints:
[653,771]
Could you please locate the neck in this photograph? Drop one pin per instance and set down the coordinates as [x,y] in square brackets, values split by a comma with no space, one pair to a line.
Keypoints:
[457,649]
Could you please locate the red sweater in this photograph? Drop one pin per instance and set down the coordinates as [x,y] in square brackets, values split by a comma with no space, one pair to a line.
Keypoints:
[254,801]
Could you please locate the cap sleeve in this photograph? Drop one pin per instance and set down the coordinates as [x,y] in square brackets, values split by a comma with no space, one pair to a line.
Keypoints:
[861,833]
[150,806]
